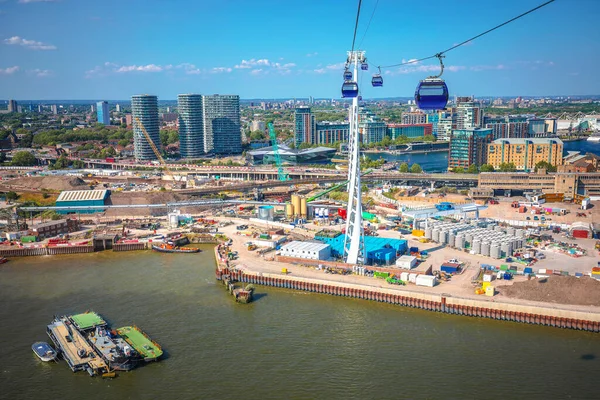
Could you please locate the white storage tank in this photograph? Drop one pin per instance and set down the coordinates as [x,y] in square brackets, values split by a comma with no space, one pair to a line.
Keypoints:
[519,233]
[459,242]
[498,228]
[510,231]
[435,235]
[443,237]
[174,220]
[485,248]
[495,251]
[469,238]
[506,249]
[326,212]
[266,213]
[428,233]
[451,239]
[476,247]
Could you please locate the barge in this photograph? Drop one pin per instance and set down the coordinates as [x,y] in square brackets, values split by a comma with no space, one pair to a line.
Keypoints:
[86,342]
[170,248]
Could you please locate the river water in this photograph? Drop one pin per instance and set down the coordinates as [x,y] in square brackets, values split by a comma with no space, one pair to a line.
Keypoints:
[285,345]
[438,162]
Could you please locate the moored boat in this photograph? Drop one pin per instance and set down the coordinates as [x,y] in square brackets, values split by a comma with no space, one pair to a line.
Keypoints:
[3,260]
[169,248]
[44,351]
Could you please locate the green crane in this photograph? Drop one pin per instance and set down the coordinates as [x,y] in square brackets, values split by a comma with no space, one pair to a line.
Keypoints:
[331,189]
[280,172]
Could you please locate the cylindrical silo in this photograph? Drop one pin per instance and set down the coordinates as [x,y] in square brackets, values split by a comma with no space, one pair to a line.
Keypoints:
[435,235]
[469,238]
[303,208]
[266,213]
[326,212]
[443,239]
[476,246]
[485,248]
[519,233]
[428,233]
[495,251]
[510,231]
[451,239]
[459,242]
[289,210]
[296,204]
[506,249]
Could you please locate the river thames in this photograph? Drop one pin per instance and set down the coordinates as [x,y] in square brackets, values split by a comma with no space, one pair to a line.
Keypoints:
[285,345]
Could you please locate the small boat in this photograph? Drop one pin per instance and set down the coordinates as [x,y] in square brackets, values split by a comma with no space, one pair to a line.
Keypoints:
[3,260]
[44,351]
[169,248]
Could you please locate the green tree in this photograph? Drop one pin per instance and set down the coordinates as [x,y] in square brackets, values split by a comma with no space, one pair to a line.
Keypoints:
[458,170]
[123,142]
[24,159]
[26,141]
[416,168]
[486,168]
[507,167]
[173,137]
[472,169]
[164,137]
[61,163]
[545,165]
[403,167]
[12,196]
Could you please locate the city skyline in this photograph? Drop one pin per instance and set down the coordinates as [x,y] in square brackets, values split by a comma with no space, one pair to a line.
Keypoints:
[43,62]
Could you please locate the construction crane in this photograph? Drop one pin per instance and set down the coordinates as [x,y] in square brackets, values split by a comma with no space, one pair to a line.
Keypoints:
[280,172]
[161,160]
[331,189]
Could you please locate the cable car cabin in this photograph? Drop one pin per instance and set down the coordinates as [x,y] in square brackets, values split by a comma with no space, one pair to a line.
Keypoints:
[347,75]
[377,80]
[364,66]
[349,89]
[431,94]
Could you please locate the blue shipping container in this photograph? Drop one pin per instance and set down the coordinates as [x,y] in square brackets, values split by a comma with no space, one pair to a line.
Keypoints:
[449,269]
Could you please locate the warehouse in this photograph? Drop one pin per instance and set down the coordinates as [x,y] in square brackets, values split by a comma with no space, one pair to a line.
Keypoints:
[308,250]
[83,199]
[378,250]
[581,230]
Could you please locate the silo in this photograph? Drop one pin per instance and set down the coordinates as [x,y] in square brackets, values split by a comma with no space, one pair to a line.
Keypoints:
[296,204]
[443,237]
[495,251]
[289,210]
[459,242]
[510,231]
[428,233]
[266,213]
[469,238]
[476,246]
[435,235]
[506,249]
[451,239]
[498,228]
[303,210]
[519,233]
[326,212]
[485,248]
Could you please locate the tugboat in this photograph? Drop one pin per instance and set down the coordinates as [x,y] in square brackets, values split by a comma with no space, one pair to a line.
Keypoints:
[169,247]
[44,351]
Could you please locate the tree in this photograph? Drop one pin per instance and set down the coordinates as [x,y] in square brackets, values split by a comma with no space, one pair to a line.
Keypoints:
[458,170]
[486,168]
[27,140]
[403,167]
[173,137]
[2,157]
[12,196]
[24,159]
[416,169]
[545,165]
[507,167]
[123,142]
[164,137]
[472,169]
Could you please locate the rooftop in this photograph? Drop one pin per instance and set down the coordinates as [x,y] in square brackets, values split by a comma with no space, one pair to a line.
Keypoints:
[528,140]
[87,320]
[306,246]
[82,195]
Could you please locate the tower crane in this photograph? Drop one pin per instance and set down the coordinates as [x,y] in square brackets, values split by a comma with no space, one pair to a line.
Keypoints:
[161,160]
[280,172]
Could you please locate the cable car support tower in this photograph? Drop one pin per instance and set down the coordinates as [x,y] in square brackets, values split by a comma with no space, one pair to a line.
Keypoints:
[354,247]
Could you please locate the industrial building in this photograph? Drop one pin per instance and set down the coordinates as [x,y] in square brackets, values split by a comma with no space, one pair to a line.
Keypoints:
[145,108]
[570,184]
[308,250]
[82,198]
[266,155]
[378,250]
[222,126]
[191,126]
[54,228]
[525,153]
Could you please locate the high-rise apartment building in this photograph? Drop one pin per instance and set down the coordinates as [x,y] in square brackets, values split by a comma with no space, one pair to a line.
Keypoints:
[370,128]
[144,109]
[222,126]
[410,131]
[191,126]
[469,146]
[304,126]
[525,153]
[92,108]
[102,112]
[118,108]
[507,127]
[54,109]
[446,122]
[414,117]
[12,106]
[469,115]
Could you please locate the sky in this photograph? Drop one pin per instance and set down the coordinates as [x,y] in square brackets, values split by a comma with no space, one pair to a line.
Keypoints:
[112,49]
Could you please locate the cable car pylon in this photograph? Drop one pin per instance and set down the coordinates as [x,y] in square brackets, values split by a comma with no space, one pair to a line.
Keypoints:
[354,247]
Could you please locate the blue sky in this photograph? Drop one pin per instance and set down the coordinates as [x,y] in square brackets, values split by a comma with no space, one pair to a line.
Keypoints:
[111,49]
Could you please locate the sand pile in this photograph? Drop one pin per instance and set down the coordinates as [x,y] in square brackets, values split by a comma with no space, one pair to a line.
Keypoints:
[583,291]
[51,183]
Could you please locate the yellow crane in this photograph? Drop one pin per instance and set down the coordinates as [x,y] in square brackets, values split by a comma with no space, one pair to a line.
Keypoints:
[161,160]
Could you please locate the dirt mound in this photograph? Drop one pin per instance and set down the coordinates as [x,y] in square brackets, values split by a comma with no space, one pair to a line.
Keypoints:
[52,183]
[583,291]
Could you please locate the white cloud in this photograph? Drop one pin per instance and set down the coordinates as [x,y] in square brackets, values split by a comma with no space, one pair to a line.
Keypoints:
[140,68]
[9,70]
[258,71]
[219,70]
[330,68]
[253,63]
[40,73]
[265,65]
[30,44]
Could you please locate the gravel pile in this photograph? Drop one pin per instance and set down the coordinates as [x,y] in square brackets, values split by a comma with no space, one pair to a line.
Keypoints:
[583,291]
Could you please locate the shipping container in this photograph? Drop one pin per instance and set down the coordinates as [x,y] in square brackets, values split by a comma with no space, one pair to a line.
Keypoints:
[580,233]
[426,280]
[28,239]
[418,233]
